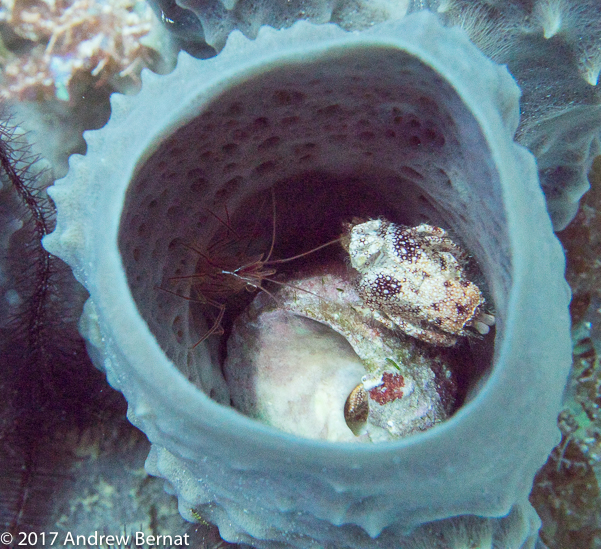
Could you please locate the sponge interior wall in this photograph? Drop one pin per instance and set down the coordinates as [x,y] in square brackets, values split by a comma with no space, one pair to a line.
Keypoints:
[350,133]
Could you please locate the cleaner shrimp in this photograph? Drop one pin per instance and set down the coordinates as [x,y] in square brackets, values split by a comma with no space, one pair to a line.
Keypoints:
[224,270]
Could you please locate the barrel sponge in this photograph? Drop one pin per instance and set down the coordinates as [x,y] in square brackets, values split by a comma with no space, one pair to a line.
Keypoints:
[551,47]
[408,119]
[213,20]
[553,50]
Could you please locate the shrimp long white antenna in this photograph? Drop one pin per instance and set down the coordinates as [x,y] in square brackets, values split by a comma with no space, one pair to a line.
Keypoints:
[218,278]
